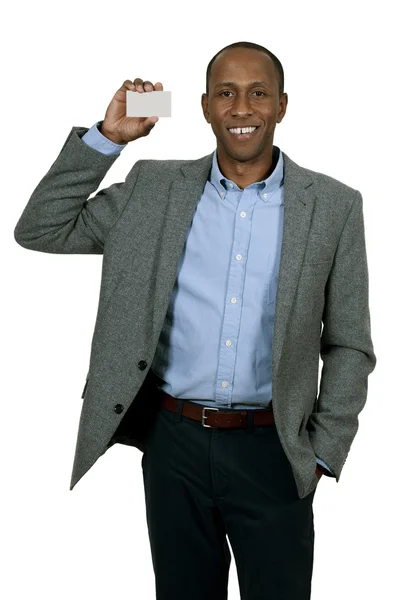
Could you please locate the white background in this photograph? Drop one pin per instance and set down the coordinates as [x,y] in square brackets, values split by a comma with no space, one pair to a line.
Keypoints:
[61,65]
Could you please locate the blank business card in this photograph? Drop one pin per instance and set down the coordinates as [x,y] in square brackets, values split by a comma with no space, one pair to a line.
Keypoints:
[148,104]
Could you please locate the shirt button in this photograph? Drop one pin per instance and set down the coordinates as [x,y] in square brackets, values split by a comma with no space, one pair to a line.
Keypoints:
[233,300]
[243,214]
[238,257]
[119,408]
[228,343]
[224,384]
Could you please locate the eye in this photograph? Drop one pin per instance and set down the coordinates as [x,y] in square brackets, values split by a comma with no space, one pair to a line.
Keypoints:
[229,92]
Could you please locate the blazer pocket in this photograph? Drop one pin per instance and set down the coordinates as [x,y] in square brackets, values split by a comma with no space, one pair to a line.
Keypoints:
[319,250]
[306,416]
[314,267]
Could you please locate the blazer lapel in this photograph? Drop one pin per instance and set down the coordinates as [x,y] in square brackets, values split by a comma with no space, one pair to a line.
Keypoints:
[299,202]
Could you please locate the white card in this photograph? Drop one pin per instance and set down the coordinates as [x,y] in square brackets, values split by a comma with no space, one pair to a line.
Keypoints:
[148,104]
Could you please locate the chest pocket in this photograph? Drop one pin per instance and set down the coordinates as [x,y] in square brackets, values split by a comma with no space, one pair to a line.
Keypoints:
[319,250]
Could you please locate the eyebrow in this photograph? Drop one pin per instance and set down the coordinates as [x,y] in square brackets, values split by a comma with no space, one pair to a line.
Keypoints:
[231,83]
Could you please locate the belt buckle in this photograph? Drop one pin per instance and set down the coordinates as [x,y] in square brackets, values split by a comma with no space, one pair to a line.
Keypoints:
[205,416]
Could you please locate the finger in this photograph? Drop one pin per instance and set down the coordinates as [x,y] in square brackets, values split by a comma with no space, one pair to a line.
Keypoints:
[138,84]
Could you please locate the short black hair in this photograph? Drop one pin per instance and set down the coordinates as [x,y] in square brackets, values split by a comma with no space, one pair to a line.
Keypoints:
[251,45]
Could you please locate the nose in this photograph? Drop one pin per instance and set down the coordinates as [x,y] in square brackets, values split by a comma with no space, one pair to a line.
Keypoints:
[242,107]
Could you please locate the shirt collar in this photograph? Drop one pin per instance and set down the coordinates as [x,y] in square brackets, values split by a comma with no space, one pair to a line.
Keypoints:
[271,183]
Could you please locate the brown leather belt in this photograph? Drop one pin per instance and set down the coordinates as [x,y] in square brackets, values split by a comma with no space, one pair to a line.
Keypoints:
[216,417]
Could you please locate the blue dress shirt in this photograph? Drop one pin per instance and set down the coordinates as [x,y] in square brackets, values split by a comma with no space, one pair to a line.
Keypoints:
[216,341]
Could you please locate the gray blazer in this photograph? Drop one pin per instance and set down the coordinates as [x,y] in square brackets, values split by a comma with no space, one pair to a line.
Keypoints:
[140,227]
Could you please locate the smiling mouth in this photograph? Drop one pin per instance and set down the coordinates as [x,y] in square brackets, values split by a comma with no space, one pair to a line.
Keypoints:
[244,136]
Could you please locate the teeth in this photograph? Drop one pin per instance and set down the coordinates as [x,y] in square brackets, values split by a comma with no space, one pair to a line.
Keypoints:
[243,130]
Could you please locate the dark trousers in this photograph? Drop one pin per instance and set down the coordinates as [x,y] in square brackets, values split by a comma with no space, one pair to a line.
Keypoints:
[203,484]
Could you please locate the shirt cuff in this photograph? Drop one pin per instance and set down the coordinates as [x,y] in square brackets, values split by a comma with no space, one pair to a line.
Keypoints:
[94,138]
[320,462]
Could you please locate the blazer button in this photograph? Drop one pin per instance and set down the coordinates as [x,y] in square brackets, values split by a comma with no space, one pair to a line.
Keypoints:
[118,408]
[142,365]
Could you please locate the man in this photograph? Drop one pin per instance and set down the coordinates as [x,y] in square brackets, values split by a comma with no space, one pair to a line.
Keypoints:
[223,280]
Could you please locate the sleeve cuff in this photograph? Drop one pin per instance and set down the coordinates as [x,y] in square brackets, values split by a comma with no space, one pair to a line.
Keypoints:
[324,465]
[94,138]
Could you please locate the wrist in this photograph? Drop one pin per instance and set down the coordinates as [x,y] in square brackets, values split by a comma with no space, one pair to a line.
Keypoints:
[322,469]
[109,135]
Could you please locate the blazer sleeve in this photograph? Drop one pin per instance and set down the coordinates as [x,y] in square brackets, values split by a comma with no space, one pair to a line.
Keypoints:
[58,217]
[346,347]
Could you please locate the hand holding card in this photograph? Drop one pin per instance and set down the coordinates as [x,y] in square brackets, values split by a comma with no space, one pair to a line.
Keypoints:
[119,127]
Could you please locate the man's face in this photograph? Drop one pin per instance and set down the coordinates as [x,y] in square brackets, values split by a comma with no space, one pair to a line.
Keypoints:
[243,103]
